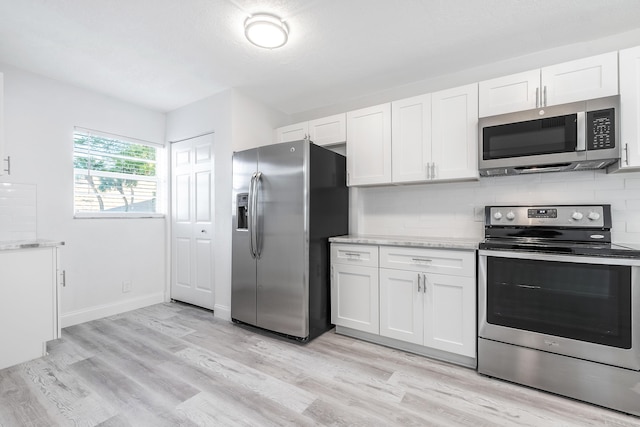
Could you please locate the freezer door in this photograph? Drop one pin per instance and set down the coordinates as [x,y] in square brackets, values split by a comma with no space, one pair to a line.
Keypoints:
[243,273]
[282,301]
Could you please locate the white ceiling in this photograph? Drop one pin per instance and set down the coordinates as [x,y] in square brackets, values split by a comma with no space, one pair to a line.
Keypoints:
[164,54]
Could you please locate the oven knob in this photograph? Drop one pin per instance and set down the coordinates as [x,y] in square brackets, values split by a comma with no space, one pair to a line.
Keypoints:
[577,215]
[593,216]
[497,215]
[510,215]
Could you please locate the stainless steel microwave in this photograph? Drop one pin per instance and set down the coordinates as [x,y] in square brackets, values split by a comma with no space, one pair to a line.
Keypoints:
[576,136]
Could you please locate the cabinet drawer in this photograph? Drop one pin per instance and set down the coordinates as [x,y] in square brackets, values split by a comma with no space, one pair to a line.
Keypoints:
[354,254]
[456,263]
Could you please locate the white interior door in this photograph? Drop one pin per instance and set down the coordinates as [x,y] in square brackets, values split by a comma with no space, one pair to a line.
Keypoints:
[192,221]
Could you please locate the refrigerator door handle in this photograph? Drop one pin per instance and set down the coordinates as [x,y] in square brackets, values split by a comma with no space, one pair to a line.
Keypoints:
[253,214]
[251,208]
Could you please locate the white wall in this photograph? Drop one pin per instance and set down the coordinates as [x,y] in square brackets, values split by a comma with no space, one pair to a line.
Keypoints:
[450,209]
[239,123]
[99,254]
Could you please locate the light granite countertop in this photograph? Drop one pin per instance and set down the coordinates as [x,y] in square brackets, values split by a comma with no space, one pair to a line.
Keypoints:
[417,242]
[28,244]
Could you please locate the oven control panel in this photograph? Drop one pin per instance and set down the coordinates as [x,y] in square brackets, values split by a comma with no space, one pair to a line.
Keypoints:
[586,216]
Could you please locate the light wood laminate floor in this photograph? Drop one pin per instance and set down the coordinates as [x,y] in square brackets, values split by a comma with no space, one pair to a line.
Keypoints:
[176,365]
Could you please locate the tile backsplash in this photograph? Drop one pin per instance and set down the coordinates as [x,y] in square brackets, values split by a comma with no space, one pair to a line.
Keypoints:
[455,209]
[18,211]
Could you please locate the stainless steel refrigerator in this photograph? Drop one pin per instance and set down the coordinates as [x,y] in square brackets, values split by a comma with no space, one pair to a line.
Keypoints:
[288,199]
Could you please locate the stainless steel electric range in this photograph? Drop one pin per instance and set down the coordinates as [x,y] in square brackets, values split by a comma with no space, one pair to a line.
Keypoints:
[559,303]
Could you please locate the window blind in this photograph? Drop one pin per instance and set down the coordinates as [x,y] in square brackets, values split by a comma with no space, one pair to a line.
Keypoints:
[113,175]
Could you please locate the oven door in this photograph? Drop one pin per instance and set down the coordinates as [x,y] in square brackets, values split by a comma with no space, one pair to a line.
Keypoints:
[584,307]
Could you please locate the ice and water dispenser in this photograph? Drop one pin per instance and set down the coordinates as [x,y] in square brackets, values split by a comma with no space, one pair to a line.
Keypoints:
[242,203]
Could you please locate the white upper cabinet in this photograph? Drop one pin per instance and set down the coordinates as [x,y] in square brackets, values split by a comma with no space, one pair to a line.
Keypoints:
[579,80]
[630,107]
[2,155]
[325,131]
[411,139]
[328,130]
[369,146]
[294,132]
[516,92]
[433,137]
[454,122]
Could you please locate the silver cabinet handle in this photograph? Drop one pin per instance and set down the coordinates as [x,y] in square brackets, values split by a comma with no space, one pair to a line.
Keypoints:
[433,171]
[8,169]
[626,154]
[425,260]
[428,170]
[424,283]
[352,254]
[545,95]
[419,290]
[537,97]
[64,278]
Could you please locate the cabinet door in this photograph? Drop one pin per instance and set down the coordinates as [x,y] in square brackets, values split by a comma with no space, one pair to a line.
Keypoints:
[2,155]
[507,94]
[27,304]
[329,130]
[587,78]
[450,314]
[294,132]
[354,297]
[455,133]
[630,107]
[401,305]
[369,146]
[411,139]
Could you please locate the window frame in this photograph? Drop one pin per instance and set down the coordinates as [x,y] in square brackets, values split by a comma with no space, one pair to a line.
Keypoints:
[160,178]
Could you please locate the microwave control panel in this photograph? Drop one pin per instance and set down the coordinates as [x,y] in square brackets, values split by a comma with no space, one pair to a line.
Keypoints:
[601,129]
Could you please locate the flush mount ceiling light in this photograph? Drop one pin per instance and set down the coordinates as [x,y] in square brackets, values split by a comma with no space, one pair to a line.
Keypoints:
[266,31]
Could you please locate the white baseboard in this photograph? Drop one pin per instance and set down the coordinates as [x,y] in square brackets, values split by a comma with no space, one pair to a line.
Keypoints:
[100,311]
[222,312]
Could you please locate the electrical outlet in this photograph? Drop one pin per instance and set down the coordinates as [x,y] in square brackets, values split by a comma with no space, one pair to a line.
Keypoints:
[478,213]
[126,286]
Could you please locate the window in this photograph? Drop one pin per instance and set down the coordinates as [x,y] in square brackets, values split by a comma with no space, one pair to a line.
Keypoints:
[114,176]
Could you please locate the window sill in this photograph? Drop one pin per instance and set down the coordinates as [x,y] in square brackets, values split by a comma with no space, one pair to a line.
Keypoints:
[117,215]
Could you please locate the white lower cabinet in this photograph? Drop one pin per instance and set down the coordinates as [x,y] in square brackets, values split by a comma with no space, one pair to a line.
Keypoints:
[354,287]
[425,297]
[421,306]
[28,303]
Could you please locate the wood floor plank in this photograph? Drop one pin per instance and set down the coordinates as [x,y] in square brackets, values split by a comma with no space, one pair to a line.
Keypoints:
[176,365]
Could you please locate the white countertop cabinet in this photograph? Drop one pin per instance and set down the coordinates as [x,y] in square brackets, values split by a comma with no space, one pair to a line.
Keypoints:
[630,108]
[579,80]
[354,287]
[428,296]
[28,303]
[424,298]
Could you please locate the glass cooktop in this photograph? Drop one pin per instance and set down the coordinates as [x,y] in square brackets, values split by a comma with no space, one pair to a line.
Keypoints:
[563,247]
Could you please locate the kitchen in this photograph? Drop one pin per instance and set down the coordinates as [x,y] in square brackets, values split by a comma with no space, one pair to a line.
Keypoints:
[39,113]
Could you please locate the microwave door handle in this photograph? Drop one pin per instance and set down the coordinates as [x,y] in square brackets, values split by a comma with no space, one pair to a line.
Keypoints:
[581,134]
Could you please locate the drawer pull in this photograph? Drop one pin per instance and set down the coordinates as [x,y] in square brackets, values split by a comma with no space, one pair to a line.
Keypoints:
[352,254]
[421,260]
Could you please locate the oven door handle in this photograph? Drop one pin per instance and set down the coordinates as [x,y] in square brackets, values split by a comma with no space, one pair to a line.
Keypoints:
[604,260]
